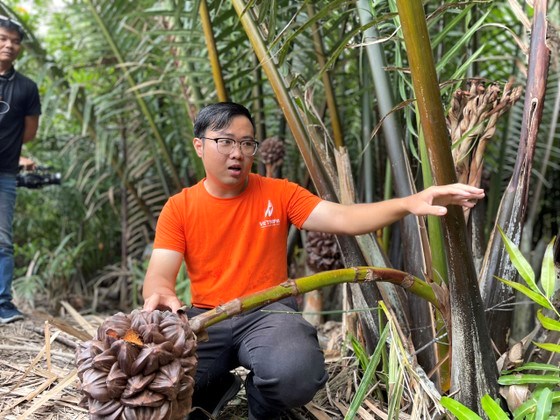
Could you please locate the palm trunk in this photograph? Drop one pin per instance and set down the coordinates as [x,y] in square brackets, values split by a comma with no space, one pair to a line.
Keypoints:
[472,360]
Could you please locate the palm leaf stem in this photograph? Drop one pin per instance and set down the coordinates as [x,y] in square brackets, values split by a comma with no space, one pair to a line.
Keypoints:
[536,202]
[472,361]
[258,104]
[217,74]
[367,124]
[387,195]
[438,271]
[336,125]
[303,285]
[439,275]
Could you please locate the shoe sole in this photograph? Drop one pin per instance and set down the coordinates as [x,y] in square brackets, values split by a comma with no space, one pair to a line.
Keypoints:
[11,319]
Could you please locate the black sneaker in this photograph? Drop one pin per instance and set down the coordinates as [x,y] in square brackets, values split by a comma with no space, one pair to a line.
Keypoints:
[202,411]
[9,313]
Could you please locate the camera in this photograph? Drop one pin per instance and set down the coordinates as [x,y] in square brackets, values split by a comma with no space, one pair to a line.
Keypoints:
[38,178]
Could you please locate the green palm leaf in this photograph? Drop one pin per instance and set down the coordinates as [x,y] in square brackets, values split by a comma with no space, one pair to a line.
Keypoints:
[459,410]
[521,264]
[534,296]
[493,409]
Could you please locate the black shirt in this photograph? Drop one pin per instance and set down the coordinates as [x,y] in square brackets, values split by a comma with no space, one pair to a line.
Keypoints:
[22,96]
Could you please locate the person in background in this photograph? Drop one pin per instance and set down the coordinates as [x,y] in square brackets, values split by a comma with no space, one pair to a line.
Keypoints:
[20,108]
[231,230]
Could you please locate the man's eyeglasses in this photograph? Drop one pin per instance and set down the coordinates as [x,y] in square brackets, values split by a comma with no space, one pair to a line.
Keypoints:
[226,146]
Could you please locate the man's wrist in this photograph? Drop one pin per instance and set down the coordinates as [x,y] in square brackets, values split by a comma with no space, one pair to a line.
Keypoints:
[162,293]
[406,205]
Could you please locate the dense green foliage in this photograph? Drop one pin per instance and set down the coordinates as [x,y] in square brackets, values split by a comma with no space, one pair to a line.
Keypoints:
[122,80]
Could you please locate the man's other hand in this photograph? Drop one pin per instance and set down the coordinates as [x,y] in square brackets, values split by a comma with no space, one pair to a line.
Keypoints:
[162,303]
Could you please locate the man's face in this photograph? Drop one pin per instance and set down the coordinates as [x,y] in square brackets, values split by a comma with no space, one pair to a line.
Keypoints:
[226,175]
[10,46]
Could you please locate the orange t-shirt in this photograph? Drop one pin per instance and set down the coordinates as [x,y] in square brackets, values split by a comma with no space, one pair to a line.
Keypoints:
[233,246]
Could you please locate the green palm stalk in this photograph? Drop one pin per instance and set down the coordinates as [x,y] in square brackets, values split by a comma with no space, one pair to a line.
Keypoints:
[332,107]
[313,282]
[213,52]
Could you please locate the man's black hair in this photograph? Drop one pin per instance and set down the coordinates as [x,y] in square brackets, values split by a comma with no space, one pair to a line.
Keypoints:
[12,25]
[219,115]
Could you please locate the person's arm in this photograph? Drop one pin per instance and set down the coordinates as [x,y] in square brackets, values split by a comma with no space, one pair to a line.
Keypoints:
[357,219]
[159,283]
[31,124]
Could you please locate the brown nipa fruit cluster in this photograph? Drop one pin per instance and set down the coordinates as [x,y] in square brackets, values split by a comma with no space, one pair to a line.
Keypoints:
[139,366]
[272,153]
[322,252]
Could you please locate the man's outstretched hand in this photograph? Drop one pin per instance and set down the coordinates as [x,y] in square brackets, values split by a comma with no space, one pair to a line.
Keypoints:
[433,200]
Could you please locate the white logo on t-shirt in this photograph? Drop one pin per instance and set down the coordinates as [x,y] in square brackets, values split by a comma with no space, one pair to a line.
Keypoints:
[269,209]
[269,222]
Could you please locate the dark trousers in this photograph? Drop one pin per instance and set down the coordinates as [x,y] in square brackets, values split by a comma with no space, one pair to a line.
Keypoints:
[280,350]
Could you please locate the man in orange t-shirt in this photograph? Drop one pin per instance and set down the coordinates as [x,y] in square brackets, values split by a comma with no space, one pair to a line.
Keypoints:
[215,247]
[231,230]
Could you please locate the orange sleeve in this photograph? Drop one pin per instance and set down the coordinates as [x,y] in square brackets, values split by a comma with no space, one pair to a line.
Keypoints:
[170,233]
[302,204]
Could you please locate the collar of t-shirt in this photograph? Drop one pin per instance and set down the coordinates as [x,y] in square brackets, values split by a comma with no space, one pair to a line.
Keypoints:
[9,75]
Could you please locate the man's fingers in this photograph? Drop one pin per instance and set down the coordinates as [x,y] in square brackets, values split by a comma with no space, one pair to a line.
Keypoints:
[469,191]
[460,194]
[162,303]
[440,210]
[468,203]
[151,303]
[175,306]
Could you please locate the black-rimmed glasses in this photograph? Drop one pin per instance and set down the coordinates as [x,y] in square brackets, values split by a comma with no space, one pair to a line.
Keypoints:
[226,145]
